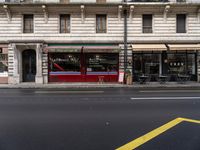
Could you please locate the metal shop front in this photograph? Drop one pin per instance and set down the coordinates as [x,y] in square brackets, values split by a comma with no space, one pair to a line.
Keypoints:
[83,64]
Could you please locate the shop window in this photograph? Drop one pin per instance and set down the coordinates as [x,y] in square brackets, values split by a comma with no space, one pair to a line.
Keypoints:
[28,24]
[64,23]
[177,63]
[101,24]
[64,62]
[3,63]
[182,63]
[181,23]
[147,23]
[102,62]
[148,64]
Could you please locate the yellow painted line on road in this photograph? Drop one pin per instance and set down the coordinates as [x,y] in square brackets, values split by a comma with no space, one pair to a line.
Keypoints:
[147,137]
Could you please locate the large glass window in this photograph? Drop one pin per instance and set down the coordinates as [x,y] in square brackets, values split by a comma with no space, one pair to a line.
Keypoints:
[64,62]
[146,63]
[182,63]
[3,63]
[102,62]
[177,63]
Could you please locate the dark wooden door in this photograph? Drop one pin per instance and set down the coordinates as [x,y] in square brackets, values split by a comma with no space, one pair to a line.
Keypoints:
[29,65]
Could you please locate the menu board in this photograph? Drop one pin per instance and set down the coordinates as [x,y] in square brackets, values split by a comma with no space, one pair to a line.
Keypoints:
[121,77]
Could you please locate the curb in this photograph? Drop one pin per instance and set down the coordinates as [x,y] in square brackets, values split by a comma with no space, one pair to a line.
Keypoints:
[135,86]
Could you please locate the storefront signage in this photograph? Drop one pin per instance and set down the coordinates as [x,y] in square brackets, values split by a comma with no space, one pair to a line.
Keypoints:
[121,77]
[176,64]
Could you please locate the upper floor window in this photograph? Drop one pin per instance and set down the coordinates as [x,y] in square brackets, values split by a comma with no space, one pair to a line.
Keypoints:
[181,23]
[28,24]
[65,23]
[147,23]
[101,24]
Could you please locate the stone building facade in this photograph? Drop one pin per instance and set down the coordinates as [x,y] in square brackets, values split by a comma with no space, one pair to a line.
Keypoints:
[153,46]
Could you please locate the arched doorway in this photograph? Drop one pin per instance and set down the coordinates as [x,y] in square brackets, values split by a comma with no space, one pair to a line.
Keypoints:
[29,65]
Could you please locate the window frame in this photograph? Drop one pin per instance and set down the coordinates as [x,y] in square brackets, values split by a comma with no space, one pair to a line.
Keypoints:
[152,23]
[106,25]
[185,23]
[33,25]
[69,15]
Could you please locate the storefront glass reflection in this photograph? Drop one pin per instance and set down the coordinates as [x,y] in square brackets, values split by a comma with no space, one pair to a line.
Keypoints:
[102,62]
[169,64]
[64,62]
[147,64]
[183,64]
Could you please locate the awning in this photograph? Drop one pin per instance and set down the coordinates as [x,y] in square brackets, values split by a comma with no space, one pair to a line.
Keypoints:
[101,49]
[86,49]
[61,49]
[184,47]
[149,47]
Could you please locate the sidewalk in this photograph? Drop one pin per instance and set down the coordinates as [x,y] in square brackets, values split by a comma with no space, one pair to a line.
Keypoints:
[104,85]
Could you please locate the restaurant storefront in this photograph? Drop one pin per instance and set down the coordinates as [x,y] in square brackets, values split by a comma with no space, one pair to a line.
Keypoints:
[154,60]
[83,63]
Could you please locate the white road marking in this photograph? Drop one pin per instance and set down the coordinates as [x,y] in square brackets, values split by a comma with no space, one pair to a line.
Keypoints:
[160,98]
[68,92]
[169,91]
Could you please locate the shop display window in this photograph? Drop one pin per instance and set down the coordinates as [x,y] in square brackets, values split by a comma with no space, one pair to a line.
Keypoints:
[182,63]
[3,63]
[64,62]
[102,62]
[146,63]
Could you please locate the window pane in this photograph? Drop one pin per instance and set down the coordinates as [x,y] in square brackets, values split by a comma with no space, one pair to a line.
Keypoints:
[64,62]
[147,23]
[3,63]
[28,23]
[102,62]
[181,23]
[101,24]
[64,23]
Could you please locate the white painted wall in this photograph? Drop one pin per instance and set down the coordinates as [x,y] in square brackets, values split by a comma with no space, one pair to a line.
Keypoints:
[86,31]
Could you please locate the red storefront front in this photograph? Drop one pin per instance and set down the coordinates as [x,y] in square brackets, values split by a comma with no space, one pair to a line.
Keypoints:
[83,63]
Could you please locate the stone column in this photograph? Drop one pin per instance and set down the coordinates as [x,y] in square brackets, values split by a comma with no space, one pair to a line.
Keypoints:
[39,78]
[13,65]
[45,68]
[129,59]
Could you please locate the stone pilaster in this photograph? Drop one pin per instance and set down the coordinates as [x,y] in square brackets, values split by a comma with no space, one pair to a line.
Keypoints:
[39,77]
[198,65]
[13,64]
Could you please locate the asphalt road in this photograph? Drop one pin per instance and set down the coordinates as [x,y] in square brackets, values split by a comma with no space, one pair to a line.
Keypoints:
[97,119]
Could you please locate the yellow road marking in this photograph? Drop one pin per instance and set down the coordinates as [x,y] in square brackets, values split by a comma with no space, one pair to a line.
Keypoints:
[143,139]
